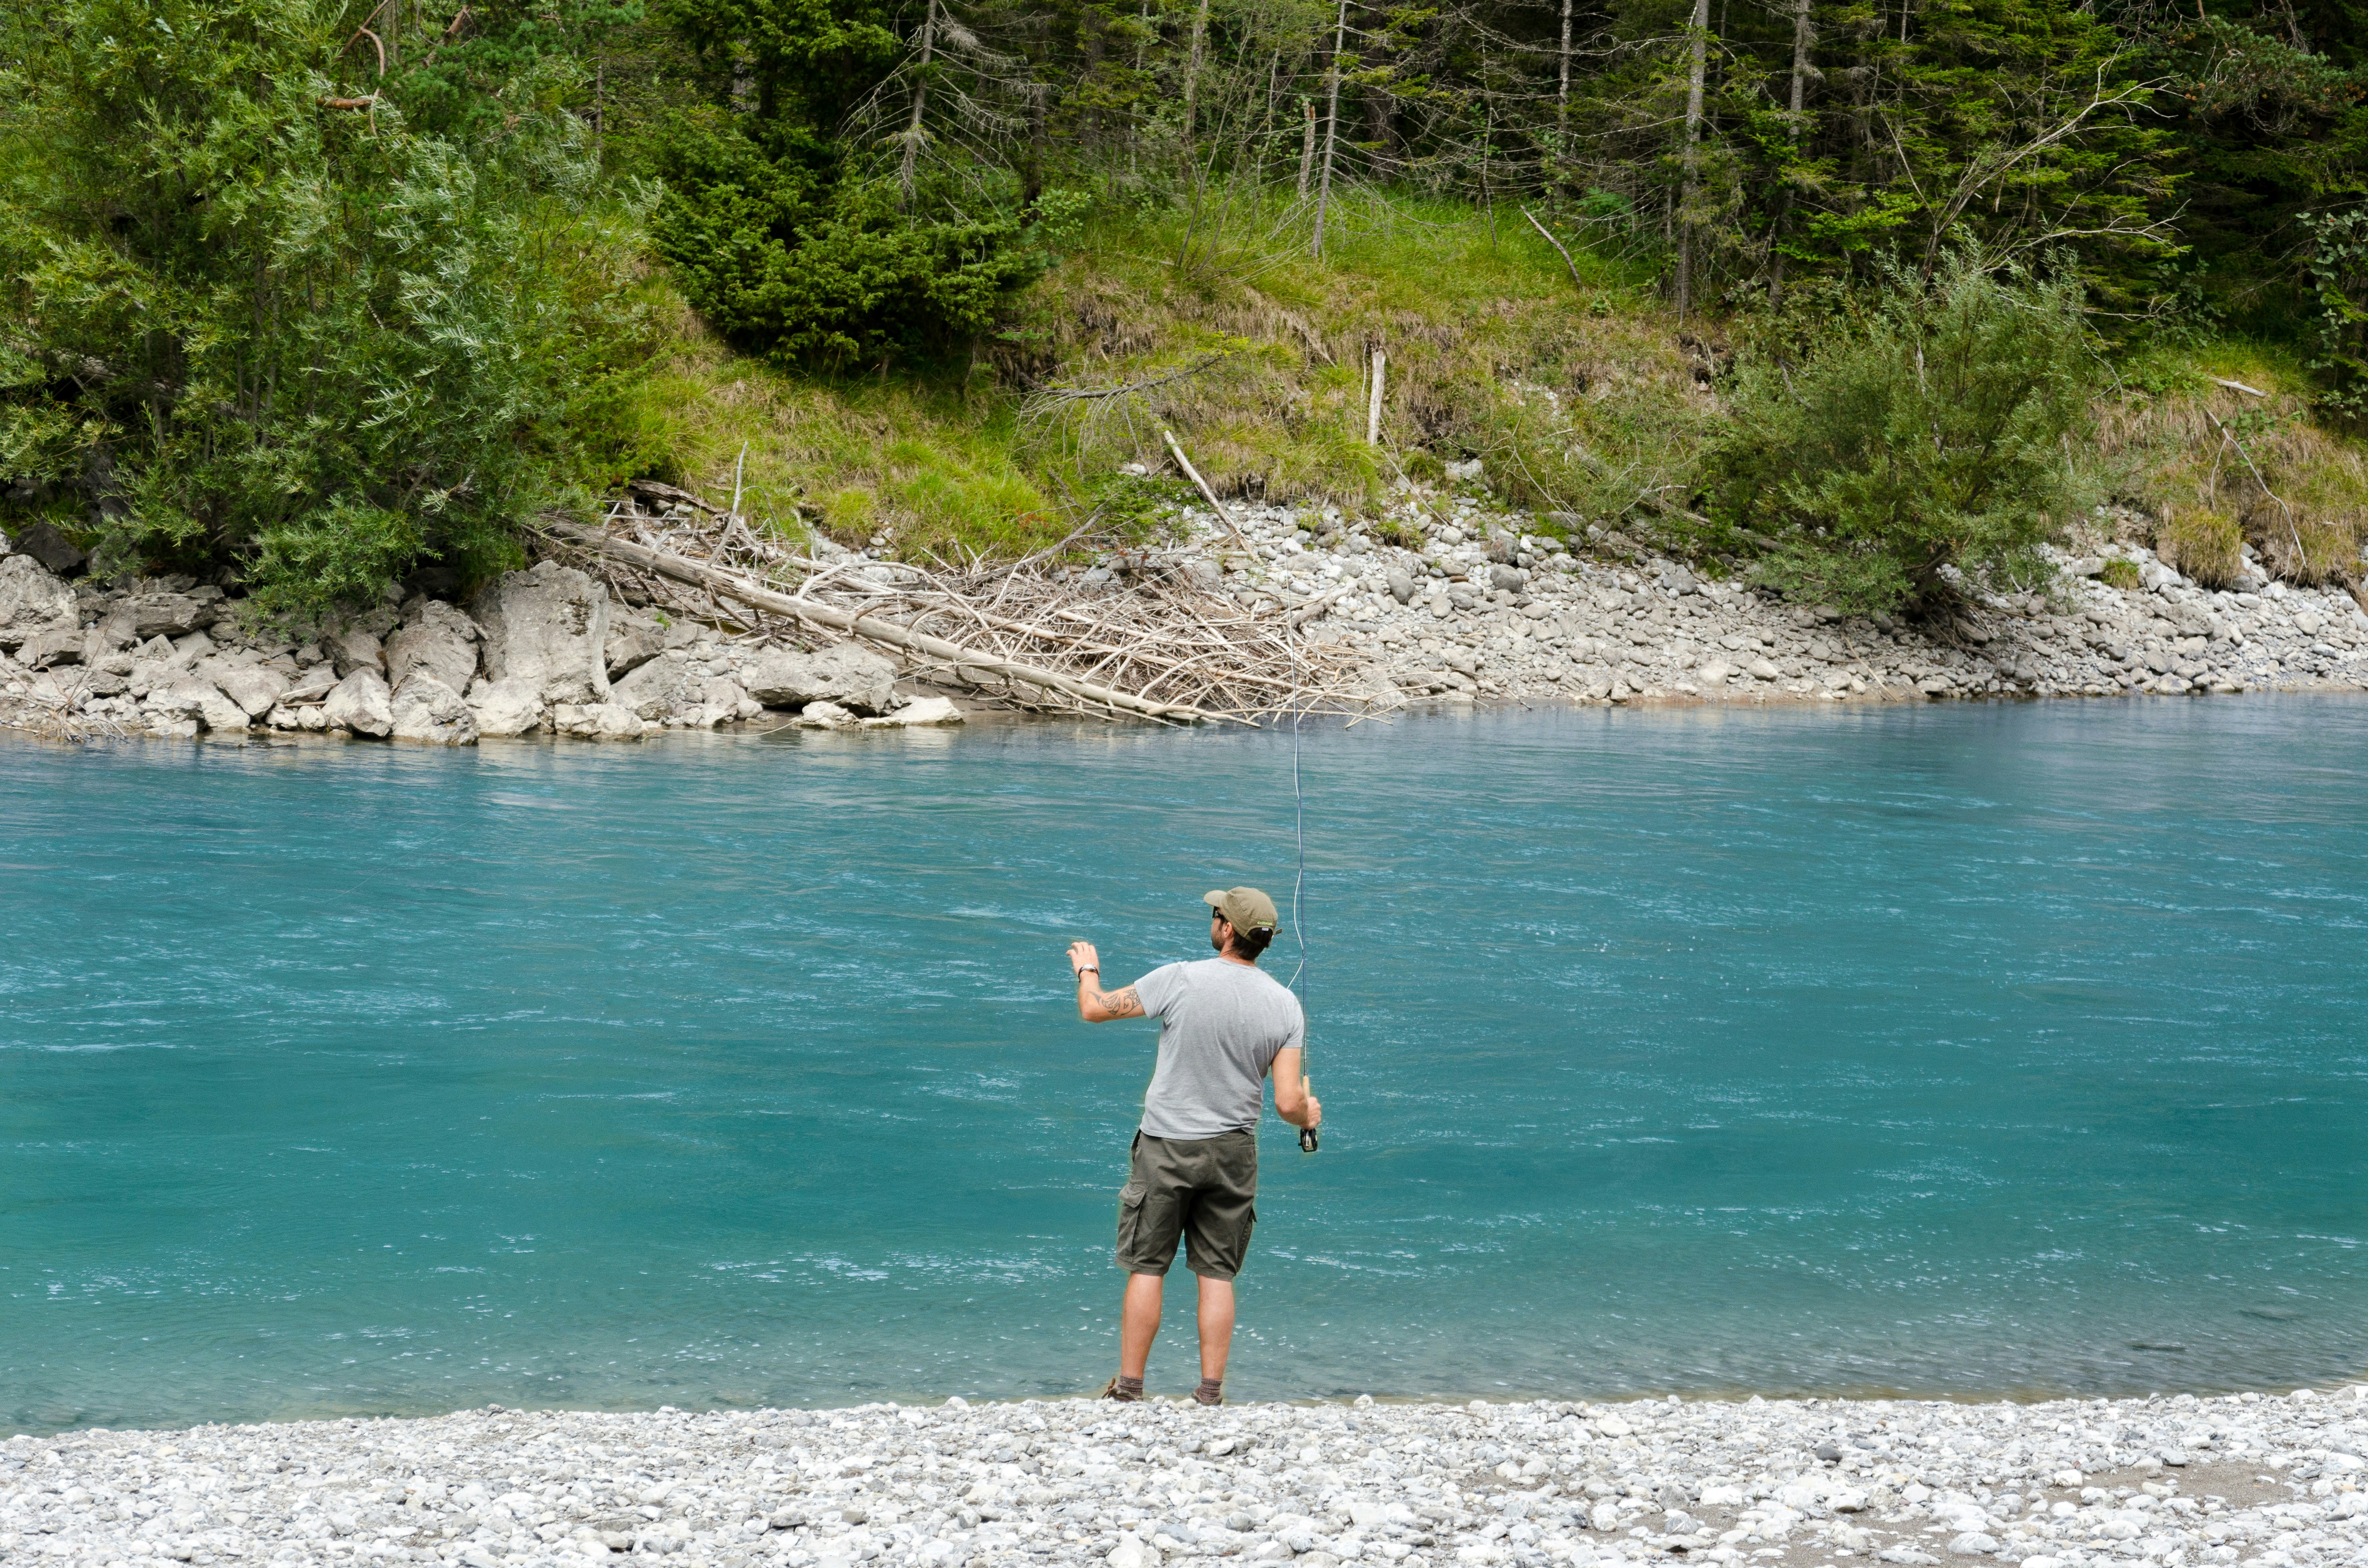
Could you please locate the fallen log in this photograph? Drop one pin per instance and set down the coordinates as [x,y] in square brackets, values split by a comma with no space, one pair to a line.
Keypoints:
[870,627]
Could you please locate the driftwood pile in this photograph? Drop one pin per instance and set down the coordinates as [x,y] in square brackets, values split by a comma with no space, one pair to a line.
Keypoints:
[1153,643]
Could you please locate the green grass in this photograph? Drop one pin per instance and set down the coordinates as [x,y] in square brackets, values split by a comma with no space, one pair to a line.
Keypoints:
[927,463]
[1574,393]
[1581,395]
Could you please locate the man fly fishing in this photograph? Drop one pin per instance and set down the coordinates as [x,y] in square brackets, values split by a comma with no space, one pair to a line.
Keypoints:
[1224,1025]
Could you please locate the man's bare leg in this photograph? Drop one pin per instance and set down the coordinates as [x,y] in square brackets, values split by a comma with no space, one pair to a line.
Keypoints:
[1216,1328]
[1138,1324]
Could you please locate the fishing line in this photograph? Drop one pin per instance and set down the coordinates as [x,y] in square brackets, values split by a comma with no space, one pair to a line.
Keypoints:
[1308,1141]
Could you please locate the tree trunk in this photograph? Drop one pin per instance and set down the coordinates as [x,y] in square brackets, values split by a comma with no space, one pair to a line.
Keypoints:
[1332,122]
[1306,146]
[1561,99]
[921,101]
[1803,36]
[1192,73]
[1690,190]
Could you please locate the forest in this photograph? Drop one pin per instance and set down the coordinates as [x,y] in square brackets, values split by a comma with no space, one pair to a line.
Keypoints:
[1852,298]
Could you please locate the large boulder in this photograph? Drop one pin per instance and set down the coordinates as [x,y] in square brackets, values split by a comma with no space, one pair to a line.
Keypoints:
[507,707]
[548,626]
[60,642]
[310,686]
[847,675]
[167,614]
[426,709]
[667,686]
[52,549]
[256,691]
[441,642]
[361,703]
[31,599]
[634,639]
[351,648]
[193,697]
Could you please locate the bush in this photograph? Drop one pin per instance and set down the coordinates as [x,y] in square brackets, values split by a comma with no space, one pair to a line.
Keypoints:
[1927,440]
[249,316]
[2208,543]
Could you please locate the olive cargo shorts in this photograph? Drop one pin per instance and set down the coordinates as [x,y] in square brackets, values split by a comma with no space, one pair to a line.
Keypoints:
[1204,1189]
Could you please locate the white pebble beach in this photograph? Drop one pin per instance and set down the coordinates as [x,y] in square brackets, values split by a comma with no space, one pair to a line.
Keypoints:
[2269,1480]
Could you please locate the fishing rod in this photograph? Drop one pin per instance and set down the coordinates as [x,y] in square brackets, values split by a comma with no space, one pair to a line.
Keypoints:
[1308,1141]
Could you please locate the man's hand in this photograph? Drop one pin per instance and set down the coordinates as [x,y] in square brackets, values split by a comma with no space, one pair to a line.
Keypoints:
[1095,1004]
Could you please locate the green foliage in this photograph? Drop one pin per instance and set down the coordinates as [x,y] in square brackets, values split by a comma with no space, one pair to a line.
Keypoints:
[2338,270]
[789,256]
[799,241]
[250,315]
[1923,444]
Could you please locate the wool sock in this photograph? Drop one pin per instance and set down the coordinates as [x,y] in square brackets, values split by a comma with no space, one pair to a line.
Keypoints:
[1129,1385]
[1211,1391]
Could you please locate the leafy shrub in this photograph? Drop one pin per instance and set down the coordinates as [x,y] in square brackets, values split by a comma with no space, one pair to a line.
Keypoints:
[249,316]
[788,255]
[2123,574]
[1930,437]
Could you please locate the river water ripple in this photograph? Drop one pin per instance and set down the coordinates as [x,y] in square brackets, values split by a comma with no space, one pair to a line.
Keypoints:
[1960,1049]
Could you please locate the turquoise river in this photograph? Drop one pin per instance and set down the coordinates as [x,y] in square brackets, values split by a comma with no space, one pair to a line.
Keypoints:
[1958,1050]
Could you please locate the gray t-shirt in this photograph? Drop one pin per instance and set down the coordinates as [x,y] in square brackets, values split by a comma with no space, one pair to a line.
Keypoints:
[1219,1026]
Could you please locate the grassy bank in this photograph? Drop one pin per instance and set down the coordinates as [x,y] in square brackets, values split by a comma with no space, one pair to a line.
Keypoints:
[1567,378]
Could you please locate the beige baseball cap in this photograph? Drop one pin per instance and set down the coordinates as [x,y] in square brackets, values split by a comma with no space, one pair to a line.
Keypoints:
[1246,909]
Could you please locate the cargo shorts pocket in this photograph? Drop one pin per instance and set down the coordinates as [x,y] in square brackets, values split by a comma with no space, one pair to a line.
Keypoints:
[1147,1231]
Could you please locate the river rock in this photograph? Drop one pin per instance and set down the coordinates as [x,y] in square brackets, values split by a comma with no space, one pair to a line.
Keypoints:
[30,597]
[440,642]
[635,638]
[301,716]
[426,709]
[667,686]
[60,642]
[852,677]
[220,714]
[1401,586]
[256,690]
[361,703]
[310,686]
[351,648]
[43,543]
[925,711]
[548,625]
[510,707]
[169,615]
[823,716]
[597,721]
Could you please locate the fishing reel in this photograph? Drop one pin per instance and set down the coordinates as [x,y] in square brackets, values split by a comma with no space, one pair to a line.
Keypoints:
[1309,1142]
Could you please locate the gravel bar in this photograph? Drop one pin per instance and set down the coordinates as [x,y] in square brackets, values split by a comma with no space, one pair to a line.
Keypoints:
[2273,1481]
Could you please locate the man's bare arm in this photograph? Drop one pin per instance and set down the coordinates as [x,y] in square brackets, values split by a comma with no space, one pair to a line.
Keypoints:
[1095,1004]
[1293,1100]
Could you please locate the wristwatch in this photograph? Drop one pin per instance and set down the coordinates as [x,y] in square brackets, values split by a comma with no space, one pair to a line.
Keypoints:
[1089,969]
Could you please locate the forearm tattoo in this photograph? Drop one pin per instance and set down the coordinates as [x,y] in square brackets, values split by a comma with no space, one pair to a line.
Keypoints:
[1123,1003]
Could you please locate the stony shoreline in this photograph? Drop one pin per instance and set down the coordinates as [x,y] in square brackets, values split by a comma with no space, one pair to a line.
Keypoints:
[1470,609]
[2269,1480]
[1484,611]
